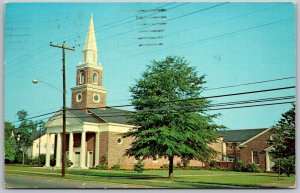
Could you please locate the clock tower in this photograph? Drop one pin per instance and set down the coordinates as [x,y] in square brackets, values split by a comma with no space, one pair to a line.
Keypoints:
[89,91]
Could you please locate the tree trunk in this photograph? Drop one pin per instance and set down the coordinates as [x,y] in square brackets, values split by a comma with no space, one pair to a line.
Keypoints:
[171,166]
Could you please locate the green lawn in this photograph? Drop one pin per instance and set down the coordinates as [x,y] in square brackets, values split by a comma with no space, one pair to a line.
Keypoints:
[158,178]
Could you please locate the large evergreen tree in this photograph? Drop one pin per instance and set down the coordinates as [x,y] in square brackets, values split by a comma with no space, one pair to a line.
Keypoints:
[284,142]
[170,114]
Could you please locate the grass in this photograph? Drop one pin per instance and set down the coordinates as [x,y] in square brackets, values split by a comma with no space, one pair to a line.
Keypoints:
[158,178]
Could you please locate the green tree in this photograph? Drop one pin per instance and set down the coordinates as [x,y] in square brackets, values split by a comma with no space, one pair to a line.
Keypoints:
[170,114]
[23,134]
[284,143]
[10,143]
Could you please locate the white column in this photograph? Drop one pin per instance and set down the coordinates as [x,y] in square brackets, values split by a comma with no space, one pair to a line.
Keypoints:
[58,150]
[83,150]
[48,150]
[71,144]
[267,162]
[97,148]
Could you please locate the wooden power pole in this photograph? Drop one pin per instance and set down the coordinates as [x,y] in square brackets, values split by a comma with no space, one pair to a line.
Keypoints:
[64,139]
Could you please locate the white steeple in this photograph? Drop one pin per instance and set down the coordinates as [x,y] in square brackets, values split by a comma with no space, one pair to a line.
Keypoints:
[90,52]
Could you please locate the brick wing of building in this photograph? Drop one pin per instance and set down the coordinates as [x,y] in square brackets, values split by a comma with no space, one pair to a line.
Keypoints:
[249,146]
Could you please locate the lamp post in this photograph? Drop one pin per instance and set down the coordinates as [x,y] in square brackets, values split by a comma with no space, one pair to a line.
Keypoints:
[34,81]
[22,148]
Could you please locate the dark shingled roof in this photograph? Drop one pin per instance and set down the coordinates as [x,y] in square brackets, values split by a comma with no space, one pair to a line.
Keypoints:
[111,115]
[240,135]
[82,115]
[37,134]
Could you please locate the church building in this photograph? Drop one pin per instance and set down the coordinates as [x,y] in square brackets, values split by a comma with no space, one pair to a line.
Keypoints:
[93,130]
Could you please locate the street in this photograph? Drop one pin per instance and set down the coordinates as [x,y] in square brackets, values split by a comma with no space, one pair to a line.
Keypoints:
[20,181]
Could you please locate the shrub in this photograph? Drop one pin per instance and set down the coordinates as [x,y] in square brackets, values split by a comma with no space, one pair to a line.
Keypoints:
[164,166]
[213,164]
[238,166]
[42,159]
[101,167]
[139,166]
[68,163]
[252,167]
[287,165]
[116,167]
[52,161]
[185,162]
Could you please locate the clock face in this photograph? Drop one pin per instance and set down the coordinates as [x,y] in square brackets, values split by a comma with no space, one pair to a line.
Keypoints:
[96,98]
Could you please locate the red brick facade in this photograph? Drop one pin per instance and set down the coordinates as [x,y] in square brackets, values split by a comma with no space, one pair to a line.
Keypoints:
[259,144]
[88,71]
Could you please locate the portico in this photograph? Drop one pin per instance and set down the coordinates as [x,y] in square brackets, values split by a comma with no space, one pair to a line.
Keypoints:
[82,140]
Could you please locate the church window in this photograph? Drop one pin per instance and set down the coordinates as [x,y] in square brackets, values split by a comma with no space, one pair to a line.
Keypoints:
[255,157]
[79,97]
[95,77]
[96,98]
[82,77]
[119,140]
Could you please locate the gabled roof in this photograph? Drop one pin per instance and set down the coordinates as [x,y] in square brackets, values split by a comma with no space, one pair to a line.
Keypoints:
[111,115]
[240,135]
[37,134]
[81,115]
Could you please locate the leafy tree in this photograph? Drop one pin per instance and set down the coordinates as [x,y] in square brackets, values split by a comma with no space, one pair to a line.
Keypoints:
[10,149]
[284,143]
[23,134]
[170,114]
[10,143]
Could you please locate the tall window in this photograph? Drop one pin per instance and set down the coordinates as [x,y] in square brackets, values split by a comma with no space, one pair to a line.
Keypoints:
[95,77]
[255,157]
[82,77]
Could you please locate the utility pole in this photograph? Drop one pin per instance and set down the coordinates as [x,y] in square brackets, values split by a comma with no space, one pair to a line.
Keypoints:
[63,47]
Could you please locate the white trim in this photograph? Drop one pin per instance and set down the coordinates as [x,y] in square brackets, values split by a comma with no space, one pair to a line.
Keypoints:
[91,87]
[96,101]
[98,67]
[77,95]
[120,141]
[261,133]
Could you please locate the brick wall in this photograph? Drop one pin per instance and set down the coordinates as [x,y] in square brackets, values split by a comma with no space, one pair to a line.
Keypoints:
[258,144]
[77,139]
[89,75]
[116,151]
[234,151]
[103,147]
[87,99]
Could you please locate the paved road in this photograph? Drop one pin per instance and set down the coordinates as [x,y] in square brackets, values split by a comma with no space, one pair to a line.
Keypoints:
[21,181]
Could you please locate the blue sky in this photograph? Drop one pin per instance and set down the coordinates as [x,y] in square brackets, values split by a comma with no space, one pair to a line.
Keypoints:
[234,43]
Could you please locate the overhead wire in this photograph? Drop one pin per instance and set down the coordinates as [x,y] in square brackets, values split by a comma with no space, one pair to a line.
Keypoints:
[171,101]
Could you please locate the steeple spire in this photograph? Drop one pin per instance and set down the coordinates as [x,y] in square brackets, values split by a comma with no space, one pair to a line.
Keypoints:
[90,52]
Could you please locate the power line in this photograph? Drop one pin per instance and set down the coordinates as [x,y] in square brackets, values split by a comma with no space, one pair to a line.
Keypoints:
[205,39]
[205,9]
[118,21]
[212,109]
[216,96]
[229,103]
[268,104]
[24,55]
[36,116]
[250,83]
[236,85]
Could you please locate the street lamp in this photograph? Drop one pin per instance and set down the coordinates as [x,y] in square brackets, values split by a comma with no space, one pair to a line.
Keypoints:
[34,81]
[22,147]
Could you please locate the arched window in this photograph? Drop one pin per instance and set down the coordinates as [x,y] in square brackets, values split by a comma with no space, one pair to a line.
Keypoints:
[95,77]
[82,77]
